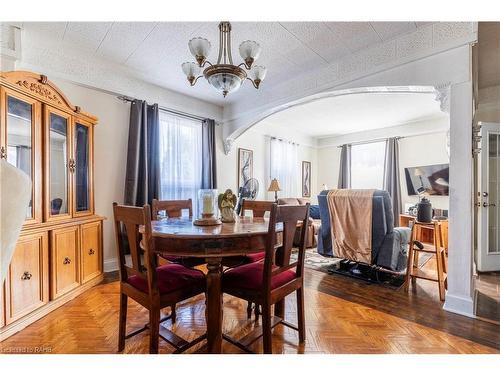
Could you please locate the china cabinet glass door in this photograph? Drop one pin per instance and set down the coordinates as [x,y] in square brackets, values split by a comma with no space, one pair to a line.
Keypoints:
[58,164]
[21,142]
[82,141]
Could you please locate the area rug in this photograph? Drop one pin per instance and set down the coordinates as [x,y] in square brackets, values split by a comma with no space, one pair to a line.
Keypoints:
[315,261]
[332,265]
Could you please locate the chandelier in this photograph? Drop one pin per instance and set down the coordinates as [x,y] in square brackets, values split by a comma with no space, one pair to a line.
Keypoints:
[224,76]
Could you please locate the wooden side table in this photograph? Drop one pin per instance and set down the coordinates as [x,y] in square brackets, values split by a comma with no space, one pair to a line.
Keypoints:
[437,248]
[425,233]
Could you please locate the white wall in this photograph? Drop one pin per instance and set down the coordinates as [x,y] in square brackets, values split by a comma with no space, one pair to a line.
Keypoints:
[426,149]
[329,165]
[258,140]
[414,149]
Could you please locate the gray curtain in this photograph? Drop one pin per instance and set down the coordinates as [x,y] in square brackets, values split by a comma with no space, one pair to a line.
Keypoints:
[391,176]
[142,180]
[209,165]
[345,168]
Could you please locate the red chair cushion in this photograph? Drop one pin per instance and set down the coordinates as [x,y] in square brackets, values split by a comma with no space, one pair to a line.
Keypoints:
[251,258]
[240,260]
[250,276]
[185,261]
[171,277]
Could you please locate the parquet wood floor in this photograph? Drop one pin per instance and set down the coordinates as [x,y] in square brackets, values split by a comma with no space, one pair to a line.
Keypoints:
[342,316]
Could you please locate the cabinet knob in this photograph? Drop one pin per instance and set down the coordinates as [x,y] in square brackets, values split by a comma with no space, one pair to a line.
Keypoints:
[66,260]
[91,252]
[72,165]
[26,276]
[3,153]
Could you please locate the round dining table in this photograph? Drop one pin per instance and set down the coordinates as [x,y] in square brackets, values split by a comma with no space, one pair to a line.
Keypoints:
[180,237]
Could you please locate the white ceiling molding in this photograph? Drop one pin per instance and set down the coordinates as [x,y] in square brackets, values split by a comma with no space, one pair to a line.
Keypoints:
[338,115]
[416,128]
[228,141]
[443,97]
[425,42]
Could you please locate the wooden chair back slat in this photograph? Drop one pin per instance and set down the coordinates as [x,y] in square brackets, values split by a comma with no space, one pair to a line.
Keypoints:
[258,208]
[134,244]
[277,260]
[173,208]
[128,219]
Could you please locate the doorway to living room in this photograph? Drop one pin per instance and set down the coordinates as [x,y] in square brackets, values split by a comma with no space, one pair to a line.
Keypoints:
[365,121]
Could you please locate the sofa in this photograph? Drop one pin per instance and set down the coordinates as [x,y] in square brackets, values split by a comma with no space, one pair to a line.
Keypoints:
[314,223]
[389,243]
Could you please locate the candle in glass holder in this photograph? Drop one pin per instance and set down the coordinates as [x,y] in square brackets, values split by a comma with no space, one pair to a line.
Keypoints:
[208,204]
[207,209]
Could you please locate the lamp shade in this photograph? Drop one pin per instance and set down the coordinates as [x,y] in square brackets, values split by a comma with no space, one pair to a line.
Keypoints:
[274,185]
[258,72]
[190,69]
[225,82]
[419,172]
[199,47]
[249,49]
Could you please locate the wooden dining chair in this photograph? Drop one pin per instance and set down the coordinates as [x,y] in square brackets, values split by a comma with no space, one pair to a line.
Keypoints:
[268,283]
[173,209]
[149,285]
[258,209]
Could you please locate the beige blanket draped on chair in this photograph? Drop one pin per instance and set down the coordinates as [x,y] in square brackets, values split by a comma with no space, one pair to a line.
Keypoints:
[351,223]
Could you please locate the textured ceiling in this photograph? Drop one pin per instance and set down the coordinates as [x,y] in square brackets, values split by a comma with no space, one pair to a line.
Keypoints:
[356,113]
[155,51]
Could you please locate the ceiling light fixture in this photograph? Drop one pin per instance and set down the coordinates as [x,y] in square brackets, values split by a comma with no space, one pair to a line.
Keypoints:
[224,76]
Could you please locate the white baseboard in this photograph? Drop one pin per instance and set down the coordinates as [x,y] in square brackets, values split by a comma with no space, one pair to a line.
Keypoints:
[462,305]
[110,265]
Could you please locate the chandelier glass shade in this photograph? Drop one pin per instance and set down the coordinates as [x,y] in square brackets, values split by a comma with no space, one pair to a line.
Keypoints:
[224,76]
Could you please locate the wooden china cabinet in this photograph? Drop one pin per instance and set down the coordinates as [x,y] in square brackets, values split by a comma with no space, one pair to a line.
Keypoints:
[59,252]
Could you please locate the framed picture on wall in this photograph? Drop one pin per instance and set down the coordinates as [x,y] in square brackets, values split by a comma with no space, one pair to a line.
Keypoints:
[245,166]
[306,179]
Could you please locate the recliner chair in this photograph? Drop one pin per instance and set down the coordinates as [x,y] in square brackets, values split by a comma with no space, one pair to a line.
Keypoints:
[389,243]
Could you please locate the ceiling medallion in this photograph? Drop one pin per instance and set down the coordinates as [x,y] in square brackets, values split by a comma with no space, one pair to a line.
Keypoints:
[224,76]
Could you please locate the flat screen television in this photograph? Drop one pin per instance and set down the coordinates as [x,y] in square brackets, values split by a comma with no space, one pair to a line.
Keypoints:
[428,179]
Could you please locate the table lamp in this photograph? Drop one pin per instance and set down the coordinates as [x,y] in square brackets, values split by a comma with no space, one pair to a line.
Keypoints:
[419,173]
[274,186]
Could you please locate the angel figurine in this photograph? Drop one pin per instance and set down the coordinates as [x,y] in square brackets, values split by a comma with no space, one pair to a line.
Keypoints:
[227,202]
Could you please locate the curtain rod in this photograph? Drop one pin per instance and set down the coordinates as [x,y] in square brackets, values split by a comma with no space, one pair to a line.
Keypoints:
[283,140]
[369,141]
[170,110]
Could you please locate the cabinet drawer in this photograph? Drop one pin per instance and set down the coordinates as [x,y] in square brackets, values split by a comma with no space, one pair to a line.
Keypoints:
[91,252]
[65,273]
[27,281]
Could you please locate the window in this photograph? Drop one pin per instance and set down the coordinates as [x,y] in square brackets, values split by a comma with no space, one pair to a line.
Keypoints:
[367,165]
[180,162]
[285,167]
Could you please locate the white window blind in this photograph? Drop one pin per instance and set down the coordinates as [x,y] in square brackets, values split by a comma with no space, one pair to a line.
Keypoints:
[285,167]
[180,162]
[367,165]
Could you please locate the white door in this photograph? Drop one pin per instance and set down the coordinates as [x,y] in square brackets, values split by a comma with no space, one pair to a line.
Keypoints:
[488,256]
